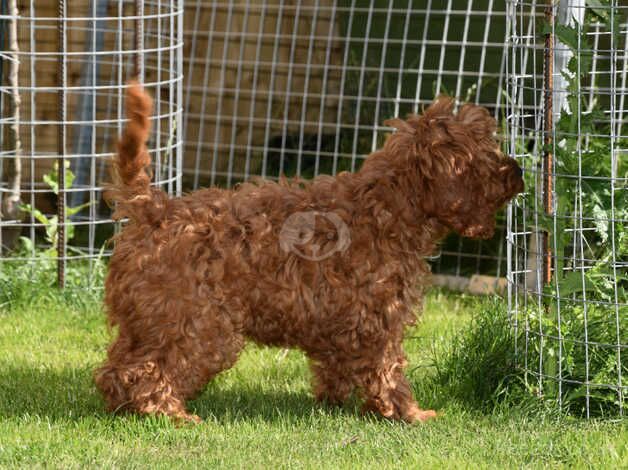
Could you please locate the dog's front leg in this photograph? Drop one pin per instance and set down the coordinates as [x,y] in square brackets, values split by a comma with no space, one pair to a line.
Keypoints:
[332,381]
[387,391]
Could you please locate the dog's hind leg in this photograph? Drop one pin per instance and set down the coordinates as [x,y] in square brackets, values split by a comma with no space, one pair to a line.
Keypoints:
[156,370]
[140,384]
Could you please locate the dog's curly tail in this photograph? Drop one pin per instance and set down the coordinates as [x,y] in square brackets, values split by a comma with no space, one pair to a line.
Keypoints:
[131,190]
[133,159]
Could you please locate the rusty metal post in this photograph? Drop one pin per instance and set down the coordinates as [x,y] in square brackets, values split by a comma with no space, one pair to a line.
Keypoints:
[548,157]
[61,138]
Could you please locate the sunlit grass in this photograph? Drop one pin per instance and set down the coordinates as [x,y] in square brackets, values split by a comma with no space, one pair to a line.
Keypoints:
[260,414]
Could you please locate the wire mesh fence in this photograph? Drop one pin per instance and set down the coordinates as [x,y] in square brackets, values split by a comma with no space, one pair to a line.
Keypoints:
[64,69]
[302,87]
[567,239]
[281,87]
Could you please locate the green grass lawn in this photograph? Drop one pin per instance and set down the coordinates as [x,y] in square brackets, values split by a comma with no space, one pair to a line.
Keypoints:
[261,414]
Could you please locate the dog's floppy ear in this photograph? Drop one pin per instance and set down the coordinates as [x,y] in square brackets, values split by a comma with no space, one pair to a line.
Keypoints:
[438,135]
[425,140]
[441,108]
[402,142]
[439,142]
[478,121]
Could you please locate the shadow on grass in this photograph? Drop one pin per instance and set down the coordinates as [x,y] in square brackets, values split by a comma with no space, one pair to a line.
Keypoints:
[252,402]
[69,394]
[59,394]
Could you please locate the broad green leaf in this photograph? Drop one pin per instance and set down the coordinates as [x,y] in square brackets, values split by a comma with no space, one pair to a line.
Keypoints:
[599,7]
[75,210]
[39,216]
[567,35]
[572,283]
[51,230]
[69,232]
[27,244]
[51,180]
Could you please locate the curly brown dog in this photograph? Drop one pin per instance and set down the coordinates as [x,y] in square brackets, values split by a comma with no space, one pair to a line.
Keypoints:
[335,266]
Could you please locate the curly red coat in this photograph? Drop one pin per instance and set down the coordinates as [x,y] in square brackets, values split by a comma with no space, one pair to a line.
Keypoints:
[191,278]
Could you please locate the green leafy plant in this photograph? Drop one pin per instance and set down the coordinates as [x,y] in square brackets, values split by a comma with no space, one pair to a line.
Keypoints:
[51,223]
[575,340]
[41,265]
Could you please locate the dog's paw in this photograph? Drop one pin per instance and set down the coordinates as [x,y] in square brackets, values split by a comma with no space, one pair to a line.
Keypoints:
[418,415]
[183,419]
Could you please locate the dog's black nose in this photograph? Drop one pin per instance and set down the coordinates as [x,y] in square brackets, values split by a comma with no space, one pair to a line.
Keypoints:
[515,169]
[517,178]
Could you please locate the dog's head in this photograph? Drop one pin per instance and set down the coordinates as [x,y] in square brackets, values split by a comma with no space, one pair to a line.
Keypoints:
[463,178]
